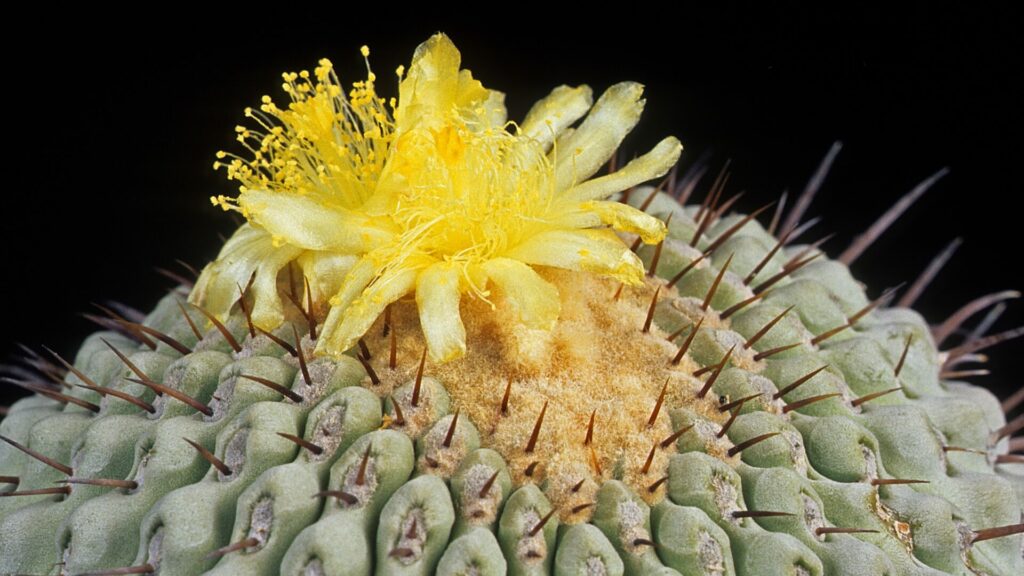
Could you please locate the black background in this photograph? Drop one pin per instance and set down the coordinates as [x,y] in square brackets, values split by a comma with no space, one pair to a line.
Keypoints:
[112,132]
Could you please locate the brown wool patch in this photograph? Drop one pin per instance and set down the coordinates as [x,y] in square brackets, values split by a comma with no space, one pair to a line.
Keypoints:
[597,358]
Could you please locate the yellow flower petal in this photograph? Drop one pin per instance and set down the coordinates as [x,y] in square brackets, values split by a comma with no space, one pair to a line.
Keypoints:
[248,250]
[434,86]
[325,272]
[357,279]
[553,114]
[599,251]
[493,110]
[358,316]
[470,93]
[616,113]
[622,217]
[306,223]
[652,165]
[534,299]
[438,295]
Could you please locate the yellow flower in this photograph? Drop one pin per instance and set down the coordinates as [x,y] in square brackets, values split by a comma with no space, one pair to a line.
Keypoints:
[437,195]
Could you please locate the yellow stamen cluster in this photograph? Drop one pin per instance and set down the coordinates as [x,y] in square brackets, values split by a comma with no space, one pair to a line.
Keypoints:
[433,194]
[324,145]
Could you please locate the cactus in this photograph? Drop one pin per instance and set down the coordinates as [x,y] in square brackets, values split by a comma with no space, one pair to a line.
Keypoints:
[441,344]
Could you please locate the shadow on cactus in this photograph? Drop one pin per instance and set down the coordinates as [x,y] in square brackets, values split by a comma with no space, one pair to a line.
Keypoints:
[445,342]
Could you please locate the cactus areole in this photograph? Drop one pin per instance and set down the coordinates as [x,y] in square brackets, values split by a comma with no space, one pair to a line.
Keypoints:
[446,342]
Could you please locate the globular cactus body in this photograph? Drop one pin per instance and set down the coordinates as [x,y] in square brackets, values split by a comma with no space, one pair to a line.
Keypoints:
[743,408]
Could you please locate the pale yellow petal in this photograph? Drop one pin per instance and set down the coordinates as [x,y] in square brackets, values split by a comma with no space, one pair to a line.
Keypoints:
[621,217]
[437,295]
[267,308]
[434,86]
[652,165]
[599,251]
[360,314]
[306,223]
[356,280]
[470,93]
[325,272]
[432,80]
[248,250]
[494,114]
[533,299]
[564,137]
[613,116]
[554,113]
